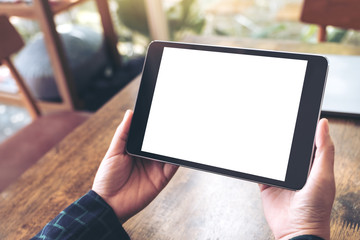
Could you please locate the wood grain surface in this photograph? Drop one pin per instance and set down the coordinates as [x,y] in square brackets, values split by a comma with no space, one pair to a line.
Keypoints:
[195,204]
[63,174]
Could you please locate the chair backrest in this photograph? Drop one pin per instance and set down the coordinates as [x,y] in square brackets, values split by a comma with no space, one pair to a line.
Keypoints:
[10,40]
[10,43]
[338,13]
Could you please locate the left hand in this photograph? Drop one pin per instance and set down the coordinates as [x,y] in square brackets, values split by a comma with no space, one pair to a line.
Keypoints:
[126,183]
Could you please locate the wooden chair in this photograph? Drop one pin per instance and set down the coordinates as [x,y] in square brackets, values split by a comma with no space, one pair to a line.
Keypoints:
[44,13]
[337,13]
[25,147]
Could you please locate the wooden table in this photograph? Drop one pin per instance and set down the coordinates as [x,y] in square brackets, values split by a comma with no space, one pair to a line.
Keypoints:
[195,204]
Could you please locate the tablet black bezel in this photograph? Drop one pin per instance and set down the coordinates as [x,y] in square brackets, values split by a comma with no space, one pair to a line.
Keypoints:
[308,113]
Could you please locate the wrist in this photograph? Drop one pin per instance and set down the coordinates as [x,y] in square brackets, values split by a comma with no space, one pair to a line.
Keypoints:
[307,235]
[319,229]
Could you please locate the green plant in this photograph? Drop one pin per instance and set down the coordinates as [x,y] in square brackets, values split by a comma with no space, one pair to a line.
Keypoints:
[336,35]
[132,13]
[182,17]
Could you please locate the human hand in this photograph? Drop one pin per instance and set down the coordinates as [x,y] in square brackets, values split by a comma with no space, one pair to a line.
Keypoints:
[307,211]
[126,183]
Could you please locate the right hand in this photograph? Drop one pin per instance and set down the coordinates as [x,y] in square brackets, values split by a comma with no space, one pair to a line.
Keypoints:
[307,211]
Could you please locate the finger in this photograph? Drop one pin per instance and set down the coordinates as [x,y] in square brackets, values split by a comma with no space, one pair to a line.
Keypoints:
[322,132]
[325,147]
[262,187]
[118,143]
[169,170]
[324,157]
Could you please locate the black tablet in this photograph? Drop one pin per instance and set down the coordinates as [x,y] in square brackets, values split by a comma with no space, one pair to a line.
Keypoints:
[245,113]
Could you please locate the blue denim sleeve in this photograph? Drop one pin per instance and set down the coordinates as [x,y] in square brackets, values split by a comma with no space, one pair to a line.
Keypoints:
[90,217]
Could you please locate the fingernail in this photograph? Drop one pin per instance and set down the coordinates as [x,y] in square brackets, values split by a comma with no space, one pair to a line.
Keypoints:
[326,126]
[127,113]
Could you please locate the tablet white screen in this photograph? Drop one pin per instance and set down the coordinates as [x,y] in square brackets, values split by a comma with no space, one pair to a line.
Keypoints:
[232,111]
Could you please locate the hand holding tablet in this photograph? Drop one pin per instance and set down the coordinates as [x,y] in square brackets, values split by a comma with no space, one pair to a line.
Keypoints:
[244,113]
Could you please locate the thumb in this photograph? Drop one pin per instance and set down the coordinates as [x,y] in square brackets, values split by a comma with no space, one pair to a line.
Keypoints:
[169,170]
[323,165]
[118,143]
